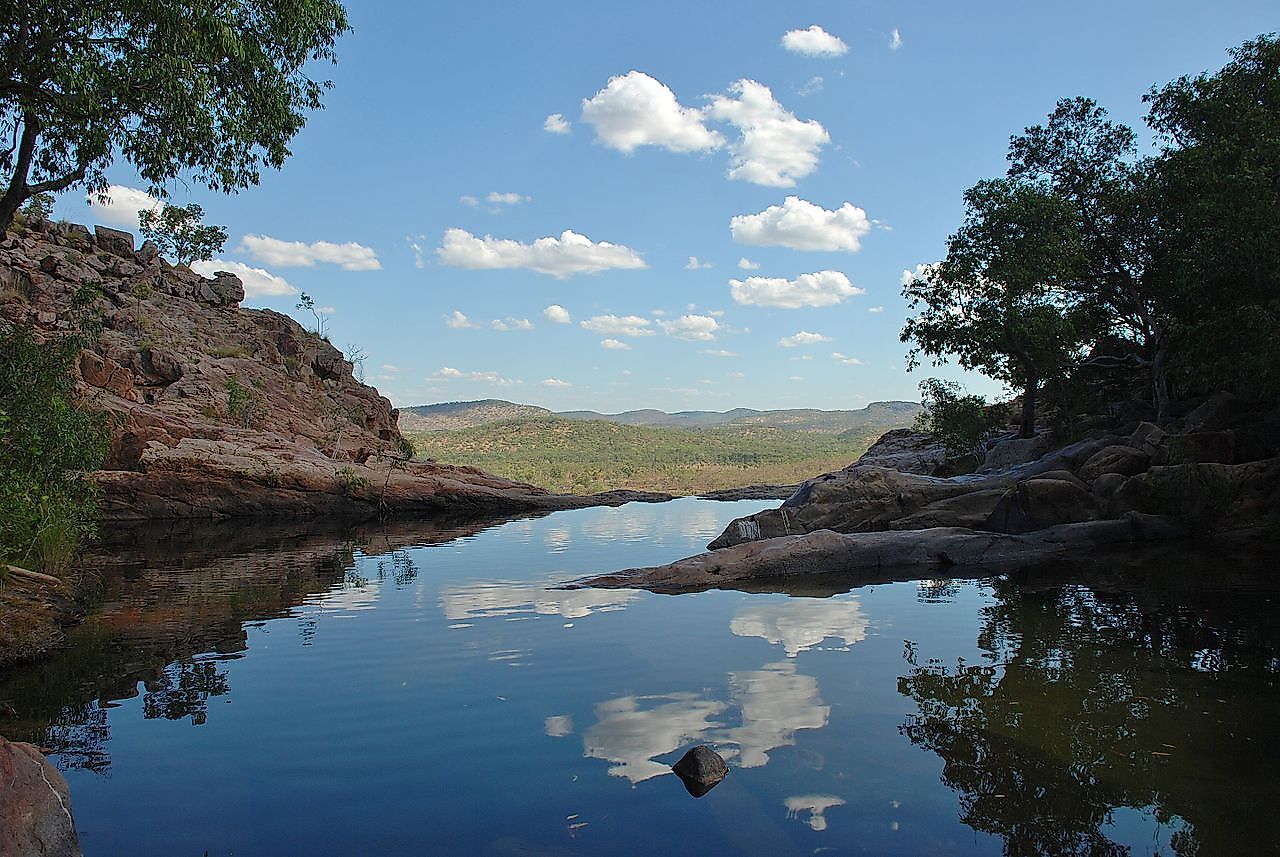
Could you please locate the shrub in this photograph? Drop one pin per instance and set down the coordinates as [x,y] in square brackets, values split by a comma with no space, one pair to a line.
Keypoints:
[960,420]
[48,444]
[243,406]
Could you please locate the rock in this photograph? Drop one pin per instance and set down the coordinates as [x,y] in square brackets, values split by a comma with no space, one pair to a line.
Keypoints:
[752,492]
[907,451]
[114,241]
[865,558]
[1061,476]
[106,374]
[1120,459]
[227,289]
[1218,447]
[148,252]
[73,235]
[701,769]
[1206,497]
[971,509]
[1221,411]
[159,364]
[1106,485]
[1151,439]
[1017,450]
[35,806]
[1039,503]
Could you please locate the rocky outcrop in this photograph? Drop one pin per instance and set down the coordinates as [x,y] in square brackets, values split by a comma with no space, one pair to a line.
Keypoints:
[217,410]
[868,521]
[908,451]
[35,806]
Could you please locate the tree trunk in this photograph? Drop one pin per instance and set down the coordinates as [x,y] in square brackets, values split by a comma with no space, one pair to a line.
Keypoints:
[1160,378]
[1028,427]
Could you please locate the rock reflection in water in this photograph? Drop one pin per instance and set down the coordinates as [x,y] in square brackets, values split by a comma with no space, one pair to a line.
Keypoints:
[772,704]
[800,624]
[1160,699]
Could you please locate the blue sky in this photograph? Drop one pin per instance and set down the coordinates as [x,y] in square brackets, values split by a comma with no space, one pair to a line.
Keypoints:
[475,246]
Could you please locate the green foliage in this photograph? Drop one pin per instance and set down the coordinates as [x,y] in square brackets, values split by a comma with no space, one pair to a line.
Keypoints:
[47,446]
[406,447]
[588,456]
[180,234]
[349,482]
[38,208]
[214,91]
[308,303]
[961,421]
[243,406]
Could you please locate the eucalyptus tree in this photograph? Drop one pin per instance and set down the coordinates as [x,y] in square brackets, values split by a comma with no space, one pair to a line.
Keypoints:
[212,90]
[1000,301]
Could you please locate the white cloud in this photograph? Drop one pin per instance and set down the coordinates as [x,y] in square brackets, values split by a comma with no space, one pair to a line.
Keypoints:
[468,199]
[895,41]
[720,352]
[695,265]
[804,337]
[508,198]
[389,367]
[814,42]
[845,359]
[823,288]
[775,148]
[615,345]
[561,257]
[418,261]
[747,265]
[448,373]
[458,321]
[636,110]
[556,124]
[122,206]
[557,314]
[802,225]
[875,309]
[326,310]
[510,323]
[257,281]
[613,325]
[814,85]
[295,254]
[700,328]
[923,270]
[556,382]
[796,378]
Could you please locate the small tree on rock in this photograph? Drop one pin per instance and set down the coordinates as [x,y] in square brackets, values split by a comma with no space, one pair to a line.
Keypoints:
[180,234]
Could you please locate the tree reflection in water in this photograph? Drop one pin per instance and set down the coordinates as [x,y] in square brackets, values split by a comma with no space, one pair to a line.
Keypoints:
[1160,699]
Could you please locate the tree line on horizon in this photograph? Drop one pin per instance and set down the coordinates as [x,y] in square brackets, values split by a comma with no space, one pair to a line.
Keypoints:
[1087,257]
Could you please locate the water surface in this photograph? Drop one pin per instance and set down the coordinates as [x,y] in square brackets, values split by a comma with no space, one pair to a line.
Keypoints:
[425,688]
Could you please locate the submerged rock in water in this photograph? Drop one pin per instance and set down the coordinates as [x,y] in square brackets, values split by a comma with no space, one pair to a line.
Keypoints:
[701,769]
[35,806]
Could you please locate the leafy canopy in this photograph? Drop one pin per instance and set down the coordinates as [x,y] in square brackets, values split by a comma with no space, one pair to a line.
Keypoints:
[213,89]
[180,234]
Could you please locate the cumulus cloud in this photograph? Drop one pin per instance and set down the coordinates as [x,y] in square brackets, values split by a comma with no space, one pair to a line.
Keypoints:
[804,337]
[510,323]
[814,42]
[458,321]
[699,328]
[468,199]
[775,148]
[561,257]
[636,110]
[121,205]
[747,265]
[556,124]
[823,288]
[802,225]
[295,254]
[895,41]
[615,345]
[613,325]
[257,281]
[557,314]
[922,271]
[556,382]
[845,359]
[508,198]
[694,264]
[448,373]
[875,309]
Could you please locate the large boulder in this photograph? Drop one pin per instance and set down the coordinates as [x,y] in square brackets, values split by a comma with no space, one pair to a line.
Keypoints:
[971,509]
[1206,497]
[1015,450]
[907,451]
[114,241]
[1118,458]
[35,806]
[1039,503]
[701,769]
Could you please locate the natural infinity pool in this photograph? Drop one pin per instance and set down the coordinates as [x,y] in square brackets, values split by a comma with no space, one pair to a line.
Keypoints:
[421,689]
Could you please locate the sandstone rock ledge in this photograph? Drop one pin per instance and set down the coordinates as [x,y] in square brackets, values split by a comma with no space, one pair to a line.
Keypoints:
[1213,474]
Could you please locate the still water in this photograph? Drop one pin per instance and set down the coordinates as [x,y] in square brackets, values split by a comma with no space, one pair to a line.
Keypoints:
[425,689]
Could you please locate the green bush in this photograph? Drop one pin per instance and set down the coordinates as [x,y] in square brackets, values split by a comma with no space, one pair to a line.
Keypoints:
[48,444]
[960,420]
[243,406]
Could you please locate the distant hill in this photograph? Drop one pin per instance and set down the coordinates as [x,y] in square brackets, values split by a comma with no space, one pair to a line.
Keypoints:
[451,416]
